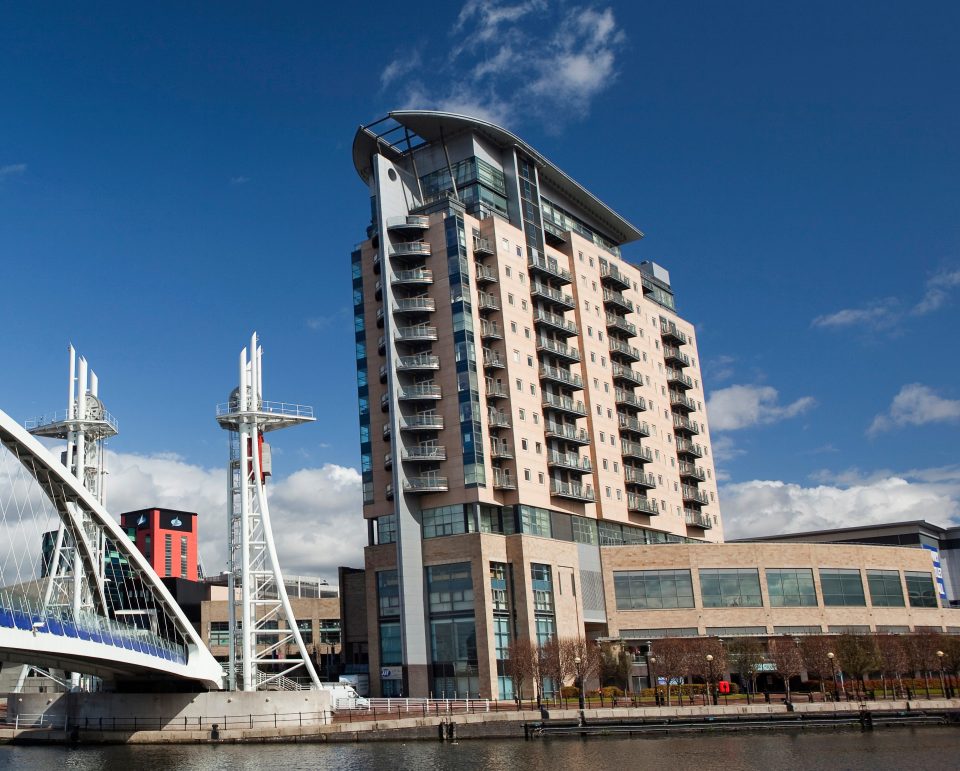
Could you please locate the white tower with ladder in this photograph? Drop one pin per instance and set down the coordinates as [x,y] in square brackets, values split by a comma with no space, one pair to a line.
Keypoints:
[263,627]
[85,426]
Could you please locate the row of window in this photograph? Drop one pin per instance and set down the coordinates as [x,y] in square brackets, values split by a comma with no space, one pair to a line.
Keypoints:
[329,630]
[786,588]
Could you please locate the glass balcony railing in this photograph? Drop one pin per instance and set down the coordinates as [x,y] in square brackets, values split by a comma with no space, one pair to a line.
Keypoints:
[610,274]
[570,461]
[610,297]
[629,399]
[554,321]
[487,302]
[550,267]
[670,332]
[570,433]
[492,359]
[692,494]
[418,391]
[678,399]
[697,519]
[686,447]
[642,504]
[558,349]
[624,350]
[636,451]
[571,490]
[414,305]
[560,375]
[411,222]
[421,422]
[504,480]
[621,372]
[426,484]
[420,361]
[564,404]
[500,449]
[485,275]
[619,322]
[675,354]
[424,452]
[498,419]
[691,471]
[560,298]
[677,378]
[632,425]
[681,423]
[408,277]
[410,249]
[638,478]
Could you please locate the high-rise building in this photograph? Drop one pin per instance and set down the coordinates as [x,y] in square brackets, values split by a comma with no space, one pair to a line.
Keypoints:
[526,396]
[167,538]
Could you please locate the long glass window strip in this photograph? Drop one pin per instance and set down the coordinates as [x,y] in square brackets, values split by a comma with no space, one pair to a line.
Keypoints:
[885,589]
[388,593]
[183,556]
[658,633]
[450,588]
[391,644]
[445,520]
[735,631]
[842,587]
[584,530]
[535,521]
[167,554]
[920,589]
[791,588]
[564,220]
[653,589]
[730,588]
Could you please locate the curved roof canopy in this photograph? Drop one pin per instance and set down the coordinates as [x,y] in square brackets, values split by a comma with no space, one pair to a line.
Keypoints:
[411,128]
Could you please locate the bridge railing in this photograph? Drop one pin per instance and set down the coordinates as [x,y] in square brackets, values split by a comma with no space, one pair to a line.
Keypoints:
[172,723]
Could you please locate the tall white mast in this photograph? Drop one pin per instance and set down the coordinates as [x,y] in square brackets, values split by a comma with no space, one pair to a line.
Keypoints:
[259,646]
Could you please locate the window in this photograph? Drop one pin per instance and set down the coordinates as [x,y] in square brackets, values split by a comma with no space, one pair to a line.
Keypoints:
[219,633]
[519,384]
[842,586]
[730,588]
[920,590]
[653,589]
[584,530]
[387,528]
[791,587]
[535,521]
[167,554]
[391,645]
[450,587]
[444,520]
[885,589]
[305,627]
[183,556]
[388,593]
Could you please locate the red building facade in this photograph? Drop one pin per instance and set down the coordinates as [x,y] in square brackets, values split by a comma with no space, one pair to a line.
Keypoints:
[167,538]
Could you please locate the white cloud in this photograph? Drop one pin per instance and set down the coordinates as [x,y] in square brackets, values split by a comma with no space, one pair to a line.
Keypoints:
[241,180]
[12,170]
[743,406]
[916,405]
[938,292]
[720,368]
[879,314]
[399,67]
[316,512]
[521,58]
[769,507]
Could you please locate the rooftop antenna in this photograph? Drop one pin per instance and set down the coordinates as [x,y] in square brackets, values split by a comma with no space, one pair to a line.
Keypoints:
[258,644]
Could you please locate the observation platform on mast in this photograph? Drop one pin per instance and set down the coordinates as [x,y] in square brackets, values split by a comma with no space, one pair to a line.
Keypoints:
[98,423]
[270,416]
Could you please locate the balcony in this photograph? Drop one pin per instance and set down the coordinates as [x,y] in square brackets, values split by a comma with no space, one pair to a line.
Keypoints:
[424,452]
[416,334]
[611,275]
[410,249]
[387,461]
[560,375]
[419,362]
[487,302]
[388,491]
[558,349]
[550,267]
[564,404]
[504,480]
[633,426]
[425,422]
[412,223]
[552,295]
[418,277]
[636,451]
[617,299]
[693,495]
[676,377]
[570,461]
[691,471]
[670,333]
[426,484]
[386,431]
[497,419]
[496,390]
[569,433]
[619,322]
[485,275]
[500,449]
[624,351]
[571,490]
[492,359]
[686,447]
[681,423]
[490,330]
[483,246]
[414,305]
[696,518]
[675,355]
[638,478]
[626,374]
[678,399]
[555,322]
[385,402]
[642,504]
[418,392]
[629,399]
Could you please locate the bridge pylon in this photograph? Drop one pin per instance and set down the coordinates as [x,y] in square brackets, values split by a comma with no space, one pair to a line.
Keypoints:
[258,600]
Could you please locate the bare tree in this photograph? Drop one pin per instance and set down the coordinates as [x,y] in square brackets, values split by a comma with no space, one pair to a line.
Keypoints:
[614,666]
[521,654]
[859,655]
[558,657]
[922,655]
[710,669]
[892,660]
[814,650]
[950,645]
[669,659]
[578,648]
[746,656]
[786,657]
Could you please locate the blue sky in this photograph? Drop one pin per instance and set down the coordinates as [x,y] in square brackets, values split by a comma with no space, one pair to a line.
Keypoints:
[173,177]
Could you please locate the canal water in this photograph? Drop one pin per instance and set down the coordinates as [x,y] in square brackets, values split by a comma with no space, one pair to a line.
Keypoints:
[921,748]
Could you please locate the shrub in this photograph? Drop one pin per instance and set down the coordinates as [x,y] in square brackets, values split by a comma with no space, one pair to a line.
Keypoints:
[569,692]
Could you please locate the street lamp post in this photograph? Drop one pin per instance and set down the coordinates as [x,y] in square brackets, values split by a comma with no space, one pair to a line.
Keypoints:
[651,662]
[833,666]
[578,666]
[943,680]
[710,687]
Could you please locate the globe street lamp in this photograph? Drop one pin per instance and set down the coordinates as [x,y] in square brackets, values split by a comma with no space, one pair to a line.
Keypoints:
[578,666]
[713,694]
[833,666]
[651,662]
[943,681]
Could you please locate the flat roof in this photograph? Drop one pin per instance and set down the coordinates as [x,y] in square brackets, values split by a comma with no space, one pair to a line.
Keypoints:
[430,126]
[915,525]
